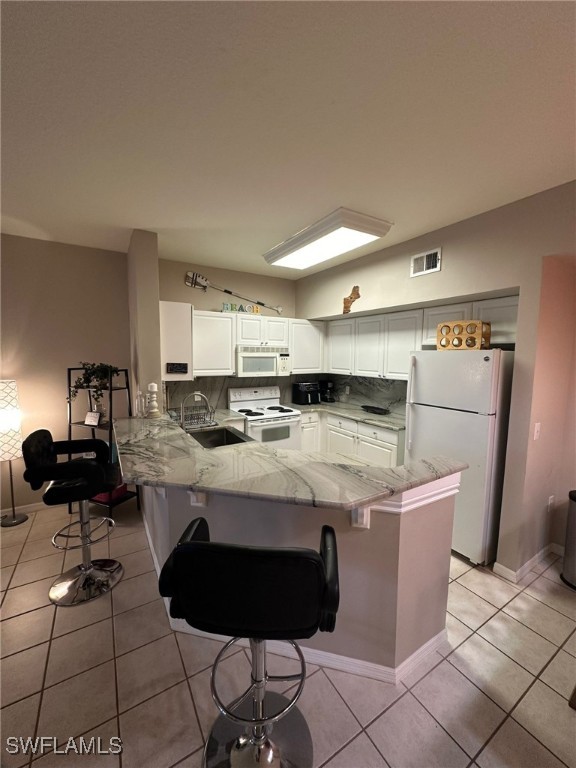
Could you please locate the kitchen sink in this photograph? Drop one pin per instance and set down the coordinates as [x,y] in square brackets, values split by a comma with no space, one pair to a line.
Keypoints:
[216,437]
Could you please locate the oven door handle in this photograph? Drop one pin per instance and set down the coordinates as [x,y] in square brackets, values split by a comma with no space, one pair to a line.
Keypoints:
[270,422]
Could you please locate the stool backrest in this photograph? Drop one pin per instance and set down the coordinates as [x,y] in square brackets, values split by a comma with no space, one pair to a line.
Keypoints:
[255,592]
[38,451]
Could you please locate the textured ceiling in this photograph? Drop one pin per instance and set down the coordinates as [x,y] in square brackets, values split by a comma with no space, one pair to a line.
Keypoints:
[228,126]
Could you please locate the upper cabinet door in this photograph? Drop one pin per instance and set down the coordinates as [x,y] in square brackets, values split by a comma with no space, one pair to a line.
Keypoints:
[249,330]
[176,339]
[403,335]
[214,343]
[501,314]
[306,346]
[433,316]
[340,346]
[369,346]
[276,331]
[255,330]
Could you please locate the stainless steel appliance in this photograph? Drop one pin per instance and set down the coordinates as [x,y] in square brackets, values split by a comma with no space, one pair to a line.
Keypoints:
[306,393]
[457,406]
[267,420]
[327,391]
[262,361]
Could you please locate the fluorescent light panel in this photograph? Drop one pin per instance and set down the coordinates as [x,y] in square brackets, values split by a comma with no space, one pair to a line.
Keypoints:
[340,232]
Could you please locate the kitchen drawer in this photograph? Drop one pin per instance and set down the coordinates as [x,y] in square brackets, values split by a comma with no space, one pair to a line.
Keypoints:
[310,418]
[378,433]
[342,423]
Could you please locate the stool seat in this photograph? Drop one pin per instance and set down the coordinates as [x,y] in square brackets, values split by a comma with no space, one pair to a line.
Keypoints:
[257,593]
[76,480]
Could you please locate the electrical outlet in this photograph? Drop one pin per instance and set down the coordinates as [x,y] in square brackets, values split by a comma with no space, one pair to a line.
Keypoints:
[551,501]
[347,390]
[537,426]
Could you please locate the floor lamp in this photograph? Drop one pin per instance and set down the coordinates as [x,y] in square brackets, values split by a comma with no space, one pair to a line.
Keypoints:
[10,441]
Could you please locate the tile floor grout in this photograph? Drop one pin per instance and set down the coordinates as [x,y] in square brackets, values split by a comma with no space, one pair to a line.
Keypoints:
[408,691]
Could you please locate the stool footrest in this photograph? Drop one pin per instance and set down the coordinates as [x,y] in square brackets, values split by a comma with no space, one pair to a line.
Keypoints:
[67,536]
[227,710]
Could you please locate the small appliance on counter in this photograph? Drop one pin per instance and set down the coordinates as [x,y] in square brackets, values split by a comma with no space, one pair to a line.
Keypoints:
[306,393]
[327,391]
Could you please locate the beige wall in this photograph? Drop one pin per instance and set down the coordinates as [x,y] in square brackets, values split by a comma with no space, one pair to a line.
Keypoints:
[494,252]
[60,304]
[274,291]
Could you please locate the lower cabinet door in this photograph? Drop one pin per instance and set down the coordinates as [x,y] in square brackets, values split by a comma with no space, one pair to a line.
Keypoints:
[310,437]
[384,454]
[340,441]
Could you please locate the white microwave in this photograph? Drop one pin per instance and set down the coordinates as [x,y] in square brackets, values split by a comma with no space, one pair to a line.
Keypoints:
[262,361]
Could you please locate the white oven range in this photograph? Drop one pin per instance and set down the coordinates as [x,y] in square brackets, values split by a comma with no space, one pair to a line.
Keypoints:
[267,420]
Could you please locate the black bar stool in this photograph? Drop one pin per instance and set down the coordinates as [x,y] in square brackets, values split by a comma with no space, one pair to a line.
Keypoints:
[259,593]
[75,480]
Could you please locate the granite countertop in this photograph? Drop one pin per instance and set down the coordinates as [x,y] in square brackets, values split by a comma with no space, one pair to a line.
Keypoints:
[160,453]
[395,421]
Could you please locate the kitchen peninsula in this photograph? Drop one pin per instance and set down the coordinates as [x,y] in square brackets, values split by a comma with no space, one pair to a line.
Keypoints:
[393,528]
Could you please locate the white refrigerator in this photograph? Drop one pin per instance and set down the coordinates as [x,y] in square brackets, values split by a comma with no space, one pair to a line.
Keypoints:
[457,406]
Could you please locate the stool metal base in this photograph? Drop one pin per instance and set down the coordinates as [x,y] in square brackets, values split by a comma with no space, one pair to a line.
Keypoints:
[289,743]
[81,584]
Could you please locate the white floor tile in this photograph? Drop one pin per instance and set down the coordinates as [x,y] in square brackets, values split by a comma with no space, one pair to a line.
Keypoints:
[499,677]
[548,717]
[409,737]
[465,712]
[560,675]
[514,747]
[468,607]
[540,618]
[489,587]
[366,698]
[557,596]
[360,752]
[519,642]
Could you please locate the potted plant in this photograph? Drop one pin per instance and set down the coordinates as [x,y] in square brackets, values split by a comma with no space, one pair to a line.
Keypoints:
[94,377]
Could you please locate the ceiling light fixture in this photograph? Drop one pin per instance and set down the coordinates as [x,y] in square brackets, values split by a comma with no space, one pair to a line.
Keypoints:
[340,232]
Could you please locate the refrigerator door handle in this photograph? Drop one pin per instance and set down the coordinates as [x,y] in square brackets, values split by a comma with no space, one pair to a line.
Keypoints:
[408,428]
[411,374]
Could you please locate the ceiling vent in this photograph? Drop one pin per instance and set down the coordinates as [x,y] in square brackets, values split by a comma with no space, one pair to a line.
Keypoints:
[423,263]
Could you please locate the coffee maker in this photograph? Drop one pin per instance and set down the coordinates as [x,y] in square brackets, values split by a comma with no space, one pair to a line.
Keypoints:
[327,391]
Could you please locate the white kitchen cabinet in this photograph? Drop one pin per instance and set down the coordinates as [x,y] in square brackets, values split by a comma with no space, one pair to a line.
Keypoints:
[310,426]
[403,334]
[375,444]
[378,444]
[176,339]
[257,330]
[213,337]
[306,346]
[340,346]
[340,440]
[369,346]
[502,314]
[433,316]
[380,453]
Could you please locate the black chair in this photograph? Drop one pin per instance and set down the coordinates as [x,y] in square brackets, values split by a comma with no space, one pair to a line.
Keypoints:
[259,593]
[69,481]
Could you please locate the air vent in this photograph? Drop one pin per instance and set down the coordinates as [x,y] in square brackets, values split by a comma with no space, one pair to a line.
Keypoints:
[423,263]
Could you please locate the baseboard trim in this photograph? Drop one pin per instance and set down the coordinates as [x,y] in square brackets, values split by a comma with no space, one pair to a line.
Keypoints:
[392,675]
[25,509]
[516,576]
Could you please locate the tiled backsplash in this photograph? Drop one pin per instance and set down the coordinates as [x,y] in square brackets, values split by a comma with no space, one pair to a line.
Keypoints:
[362,391]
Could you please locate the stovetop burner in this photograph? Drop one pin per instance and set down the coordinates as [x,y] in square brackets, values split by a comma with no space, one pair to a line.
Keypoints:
[259,403]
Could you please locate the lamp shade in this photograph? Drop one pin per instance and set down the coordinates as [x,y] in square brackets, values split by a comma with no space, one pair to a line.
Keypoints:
[10,433]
